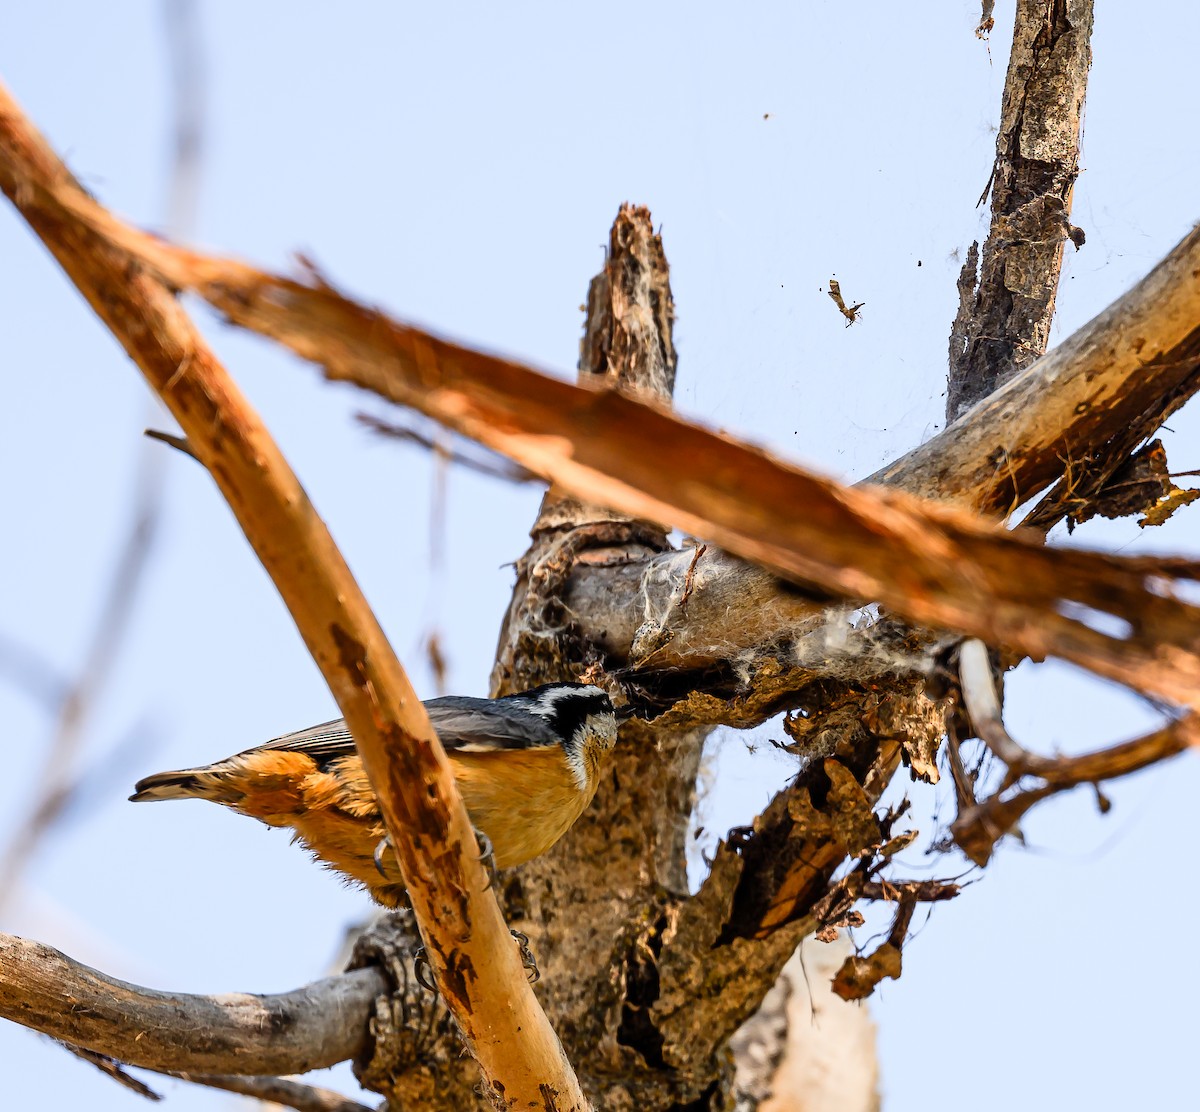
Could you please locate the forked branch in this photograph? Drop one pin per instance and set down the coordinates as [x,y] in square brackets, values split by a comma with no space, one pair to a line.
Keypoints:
[981,824]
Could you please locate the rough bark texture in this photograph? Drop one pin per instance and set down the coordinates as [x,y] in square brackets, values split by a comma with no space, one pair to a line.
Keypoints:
[649,985]
[623,865]
[315,1026]
[1004,323]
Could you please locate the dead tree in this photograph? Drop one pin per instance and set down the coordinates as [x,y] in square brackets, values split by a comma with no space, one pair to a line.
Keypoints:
[661,998]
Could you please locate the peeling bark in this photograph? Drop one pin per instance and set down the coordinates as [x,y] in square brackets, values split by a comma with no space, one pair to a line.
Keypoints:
[1004,323]
[621,869]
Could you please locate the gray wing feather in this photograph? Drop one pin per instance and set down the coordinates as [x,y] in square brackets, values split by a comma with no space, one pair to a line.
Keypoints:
[463,723]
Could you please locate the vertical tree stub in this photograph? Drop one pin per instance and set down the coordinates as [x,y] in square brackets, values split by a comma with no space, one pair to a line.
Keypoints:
[596,905]
[1003,323]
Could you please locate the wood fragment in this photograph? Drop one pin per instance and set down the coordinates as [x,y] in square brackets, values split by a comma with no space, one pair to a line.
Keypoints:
[852,313]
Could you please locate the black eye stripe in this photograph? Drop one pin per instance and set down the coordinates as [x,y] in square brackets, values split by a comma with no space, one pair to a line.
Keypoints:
[564,707]
[569,712]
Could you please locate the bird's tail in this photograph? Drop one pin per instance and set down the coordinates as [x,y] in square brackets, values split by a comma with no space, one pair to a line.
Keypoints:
[186,783]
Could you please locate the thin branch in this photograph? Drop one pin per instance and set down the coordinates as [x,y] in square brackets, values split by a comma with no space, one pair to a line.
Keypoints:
[325,1022]
[187,126]
[918,891]
[35,675]
[983,705]
[477,967]
[57,779]
[277,1090]
[489,464]
[110,1067]
[179,443]
[980,825]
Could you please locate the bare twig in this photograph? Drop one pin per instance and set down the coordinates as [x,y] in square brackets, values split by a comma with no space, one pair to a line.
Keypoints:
[179,443]
[33,674]
[57,779]
[326,1022]
[490,464]
[859,975]
[981,824]
[918,891]
[110,1067]
[187,139]
[983,705]
[277,1090]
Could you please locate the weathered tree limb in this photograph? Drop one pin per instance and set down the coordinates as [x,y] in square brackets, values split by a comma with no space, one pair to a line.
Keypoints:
[1139,357]
[477,967]
[783,873]
[625,859]
[930,564]
[1004,322]
[1093,395]
[314,1026]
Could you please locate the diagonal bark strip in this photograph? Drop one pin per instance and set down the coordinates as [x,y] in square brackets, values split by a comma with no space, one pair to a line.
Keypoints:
[476,965]
[933,565]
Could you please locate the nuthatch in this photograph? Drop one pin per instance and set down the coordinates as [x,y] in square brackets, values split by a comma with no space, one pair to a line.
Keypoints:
[526,765]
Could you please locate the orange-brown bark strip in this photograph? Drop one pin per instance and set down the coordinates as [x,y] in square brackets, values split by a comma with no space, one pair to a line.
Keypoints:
[934,565]
[474,960]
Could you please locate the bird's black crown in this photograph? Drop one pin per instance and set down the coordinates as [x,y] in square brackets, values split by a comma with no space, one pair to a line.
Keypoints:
[565,706]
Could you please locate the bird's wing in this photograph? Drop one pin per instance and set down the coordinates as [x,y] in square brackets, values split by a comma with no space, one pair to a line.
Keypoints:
[462,723]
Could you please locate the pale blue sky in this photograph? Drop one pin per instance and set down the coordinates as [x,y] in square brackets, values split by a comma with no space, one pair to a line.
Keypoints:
[460,165]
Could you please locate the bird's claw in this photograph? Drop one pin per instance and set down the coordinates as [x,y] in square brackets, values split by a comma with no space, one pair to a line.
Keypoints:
[385,844]
[487,857]
[423,972]
[532,973]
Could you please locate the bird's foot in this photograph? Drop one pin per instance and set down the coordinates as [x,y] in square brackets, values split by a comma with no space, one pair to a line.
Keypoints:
[384,846]
[423,972]
[487,856]
[532,973]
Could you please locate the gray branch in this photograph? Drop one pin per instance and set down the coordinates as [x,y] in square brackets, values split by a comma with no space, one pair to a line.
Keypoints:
[235,1033]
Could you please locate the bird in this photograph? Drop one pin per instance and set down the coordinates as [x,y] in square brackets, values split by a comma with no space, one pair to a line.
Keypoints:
[527,765]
